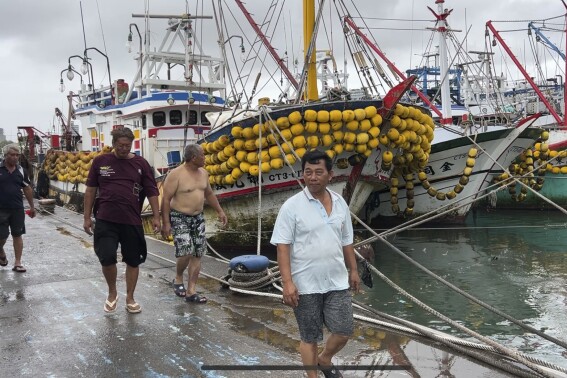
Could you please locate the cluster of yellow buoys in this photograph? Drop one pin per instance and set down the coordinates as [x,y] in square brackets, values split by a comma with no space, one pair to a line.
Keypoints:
[537,159]
[412,132]
[422,176]
[70,167]
[268,146]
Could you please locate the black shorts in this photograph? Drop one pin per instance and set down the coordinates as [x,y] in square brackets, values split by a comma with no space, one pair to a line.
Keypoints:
[107,235]
[12,221]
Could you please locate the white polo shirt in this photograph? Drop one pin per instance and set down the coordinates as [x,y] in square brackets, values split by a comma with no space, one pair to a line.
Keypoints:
[316,241]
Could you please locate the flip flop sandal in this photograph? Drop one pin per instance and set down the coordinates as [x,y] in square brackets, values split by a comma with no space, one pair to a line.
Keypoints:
[330,371]
[4,261]
[196,298]
[179,289]
[19,269]
[133,308]
[110,306]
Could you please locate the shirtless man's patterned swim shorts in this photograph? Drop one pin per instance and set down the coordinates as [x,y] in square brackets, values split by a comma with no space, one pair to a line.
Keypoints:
[188,234]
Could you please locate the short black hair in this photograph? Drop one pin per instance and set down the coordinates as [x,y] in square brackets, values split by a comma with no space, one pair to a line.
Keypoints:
[313,157]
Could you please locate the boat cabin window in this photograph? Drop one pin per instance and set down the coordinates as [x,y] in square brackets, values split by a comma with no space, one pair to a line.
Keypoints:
[204,120]
[158,119]
[175,117]
[192,117]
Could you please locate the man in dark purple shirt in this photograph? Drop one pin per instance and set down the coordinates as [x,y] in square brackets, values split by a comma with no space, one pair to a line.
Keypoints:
[123,180]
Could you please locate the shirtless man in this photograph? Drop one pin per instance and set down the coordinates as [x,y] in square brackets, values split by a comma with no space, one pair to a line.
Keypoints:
[184,193]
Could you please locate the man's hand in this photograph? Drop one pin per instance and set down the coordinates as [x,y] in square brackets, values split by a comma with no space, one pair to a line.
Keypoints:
[156,223]
[222,218]
[88,226]
[31,212]
[166,230]
[354,281]
[290,295]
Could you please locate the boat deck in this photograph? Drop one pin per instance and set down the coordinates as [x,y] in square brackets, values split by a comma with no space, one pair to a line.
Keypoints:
[53,324]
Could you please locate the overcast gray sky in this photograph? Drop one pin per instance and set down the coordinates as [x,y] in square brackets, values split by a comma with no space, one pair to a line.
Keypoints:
[37,37]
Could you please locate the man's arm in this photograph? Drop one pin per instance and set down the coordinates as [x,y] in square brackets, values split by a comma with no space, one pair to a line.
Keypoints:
[154,204]
[214,203]
[88,203]
[169,189]
[290,293]
[350,261]
[28,192]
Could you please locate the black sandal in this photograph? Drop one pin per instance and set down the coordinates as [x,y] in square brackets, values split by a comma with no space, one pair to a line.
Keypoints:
[179,289]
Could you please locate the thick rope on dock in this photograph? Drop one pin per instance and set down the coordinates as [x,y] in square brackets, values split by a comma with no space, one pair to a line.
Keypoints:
[254,281]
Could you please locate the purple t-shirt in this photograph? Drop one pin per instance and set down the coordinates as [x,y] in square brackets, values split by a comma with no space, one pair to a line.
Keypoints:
[122,185]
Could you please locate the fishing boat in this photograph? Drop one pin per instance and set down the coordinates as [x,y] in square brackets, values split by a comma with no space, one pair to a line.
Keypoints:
[253,151]
[541,169]
[166,114]
[451,183]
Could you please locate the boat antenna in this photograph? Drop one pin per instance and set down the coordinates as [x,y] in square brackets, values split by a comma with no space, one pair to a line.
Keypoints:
[83,23]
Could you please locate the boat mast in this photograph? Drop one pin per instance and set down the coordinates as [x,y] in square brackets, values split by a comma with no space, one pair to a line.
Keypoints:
[311,92]
[526,76]
[442,28]
[348,21]
[267,44]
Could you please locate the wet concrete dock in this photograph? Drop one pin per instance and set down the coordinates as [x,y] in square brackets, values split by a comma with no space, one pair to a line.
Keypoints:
[52,322]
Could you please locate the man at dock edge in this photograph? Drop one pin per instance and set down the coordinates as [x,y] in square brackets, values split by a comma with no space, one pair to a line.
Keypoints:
[13,179]
[184,193]
[123,179]
[314,238]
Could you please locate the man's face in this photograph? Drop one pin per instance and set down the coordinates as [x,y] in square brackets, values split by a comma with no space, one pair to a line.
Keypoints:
[11,158]
[317,177]
[199,158]
[122,147]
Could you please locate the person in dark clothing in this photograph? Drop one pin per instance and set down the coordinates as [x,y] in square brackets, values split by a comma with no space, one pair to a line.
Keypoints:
[13,180]
[122,179]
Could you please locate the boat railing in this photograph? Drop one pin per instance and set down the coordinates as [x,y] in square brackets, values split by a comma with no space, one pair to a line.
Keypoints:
[101,97]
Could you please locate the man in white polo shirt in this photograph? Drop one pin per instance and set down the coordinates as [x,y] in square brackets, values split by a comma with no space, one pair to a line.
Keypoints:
[314,238]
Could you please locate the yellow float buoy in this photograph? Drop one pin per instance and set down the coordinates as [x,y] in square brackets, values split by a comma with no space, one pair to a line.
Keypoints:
[338,136]
[310,115]
[275,152]
[290,158]
[265,166]
[254,170]
[352,125]
[297,129]
[277,163]
[324,128]
[326,140]
[359,114]
[374,132]
[348,115]
[313,141]
[294,117]
[370,111]
[284,122]
[336,125]
[311,127]
[248,133]
[236,131]
[323,116]
[299,141]
[364,125]
[335,116]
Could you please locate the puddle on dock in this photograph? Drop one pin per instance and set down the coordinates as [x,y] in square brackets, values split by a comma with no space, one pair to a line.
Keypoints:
[64,231]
